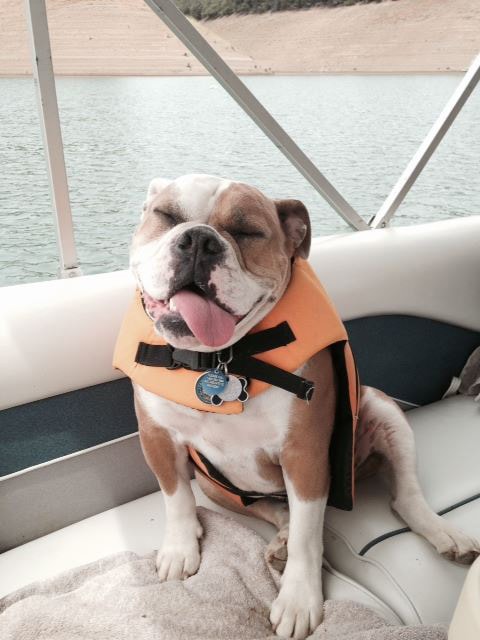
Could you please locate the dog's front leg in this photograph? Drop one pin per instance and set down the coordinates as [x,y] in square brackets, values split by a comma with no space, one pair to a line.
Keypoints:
[298,609]
[179,556]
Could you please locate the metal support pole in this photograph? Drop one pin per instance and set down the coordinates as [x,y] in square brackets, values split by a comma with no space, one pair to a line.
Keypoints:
[428,146]
[52,135]
[196,43]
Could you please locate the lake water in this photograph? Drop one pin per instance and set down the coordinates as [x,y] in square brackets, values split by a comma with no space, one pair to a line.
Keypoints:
[120,132]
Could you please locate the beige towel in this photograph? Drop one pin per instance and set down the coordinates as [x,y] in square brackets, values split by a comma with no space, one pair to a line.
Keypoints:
[120,598]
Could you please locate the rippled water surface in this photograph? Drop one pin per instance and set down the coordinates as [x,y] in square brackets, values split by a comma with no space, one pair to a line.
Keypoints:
[120,132]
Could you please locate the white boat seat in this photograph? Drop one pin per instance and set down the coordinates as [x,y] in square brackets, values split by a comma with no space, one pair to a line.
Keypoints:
[408,583]
[138,526]
[402,569]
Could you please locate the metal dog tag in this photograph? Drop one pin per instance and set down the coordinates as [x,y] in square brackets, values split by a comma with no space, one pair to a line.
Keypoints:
[200,393]
[235,389]
[213,381]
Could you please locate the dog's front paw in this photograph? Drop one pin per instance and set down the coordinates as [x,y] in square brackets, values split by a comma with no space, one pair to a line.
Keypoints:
[179,556]
[178,563]
[297,611]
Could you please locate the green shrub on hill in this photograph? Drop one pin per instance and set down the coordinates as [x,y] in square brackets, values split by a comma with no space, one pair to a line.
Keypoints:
[209,9]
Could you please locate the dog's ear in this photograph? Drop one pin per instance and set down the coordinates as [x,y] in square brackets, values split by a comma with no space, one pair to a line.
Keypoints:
[296,226]
[155,186]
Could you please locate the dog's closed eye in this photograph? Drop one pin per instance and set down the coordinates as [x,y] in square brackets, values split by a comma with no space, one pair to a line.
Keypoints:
[169,217]
[244,233]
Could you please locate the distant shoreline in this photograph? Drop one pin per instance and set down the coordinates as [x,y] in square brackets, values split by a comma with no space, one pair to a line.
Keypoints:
[244,75]
[123,38]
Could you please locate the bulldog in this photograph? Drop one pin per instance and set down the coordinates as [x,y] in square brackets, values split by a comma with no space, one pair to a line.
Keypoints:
[212,257]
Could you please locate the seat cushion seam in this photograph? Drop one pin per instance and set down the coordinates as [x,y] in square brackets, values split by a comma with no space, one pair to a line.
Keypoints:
[379,566]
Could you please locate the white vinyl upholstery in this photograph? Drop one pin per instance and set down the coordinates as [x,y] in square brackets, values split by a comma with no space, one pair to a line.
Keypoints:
[429,270]
[404,570]
[59,335]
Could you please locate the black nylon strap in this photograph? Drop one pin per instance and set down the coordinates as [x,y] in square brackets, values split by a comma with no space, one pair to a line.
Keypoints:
[253,368]
[247,497]
[152,355]
[265,340]
[155,355]
[238,359]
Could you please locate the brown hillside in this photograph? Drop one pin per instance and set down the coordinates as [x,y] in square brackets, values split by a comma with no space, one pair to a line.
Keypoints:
[393,36]
[105,37]
[123,37]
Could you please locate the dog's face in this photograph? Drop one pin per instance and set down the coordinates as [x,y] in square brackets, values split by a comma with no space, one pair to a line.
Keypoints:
[212,257]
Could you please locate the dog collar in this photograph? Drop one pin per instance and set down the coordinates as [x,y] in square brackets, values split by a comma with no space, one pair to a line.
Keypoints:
[238,357]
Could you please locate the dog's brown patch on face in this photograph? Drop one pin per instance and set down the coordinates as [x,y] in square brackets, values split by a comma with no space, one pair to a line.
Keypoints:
[158,449]
[304,455]
[250,222]
[269,469]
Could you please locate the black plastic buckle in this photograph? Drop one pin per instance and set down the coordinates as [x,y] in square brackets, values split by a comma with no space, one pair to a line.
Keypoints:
[174,364]
[194,360]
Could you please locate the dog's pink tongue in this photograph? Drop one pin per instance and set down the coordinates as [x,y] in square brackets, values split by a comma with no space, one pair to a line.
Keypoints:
[206,320]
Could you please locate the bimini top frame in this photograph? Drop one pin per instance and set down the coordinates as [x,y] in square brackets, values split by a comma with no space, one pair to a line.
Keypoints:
[196,43]
[52,135]
[428,146]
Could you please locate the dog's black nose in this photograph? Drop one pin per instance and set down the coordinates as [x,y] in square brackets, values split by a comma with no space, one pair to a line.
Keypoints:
[198,242]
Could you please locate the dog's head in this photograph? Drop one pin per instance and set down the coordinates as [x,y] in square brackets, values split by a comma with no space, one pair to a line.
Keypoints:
[212,257]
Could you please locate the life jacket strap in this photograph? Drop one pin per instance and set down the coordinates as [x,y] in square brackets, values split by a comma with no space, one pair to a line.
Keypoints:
[154,355]
[206,468]
[238,358]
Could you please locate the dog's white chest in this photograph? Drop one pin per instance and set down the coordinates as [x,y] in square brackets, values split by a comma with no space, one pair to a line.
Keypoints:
[232,443]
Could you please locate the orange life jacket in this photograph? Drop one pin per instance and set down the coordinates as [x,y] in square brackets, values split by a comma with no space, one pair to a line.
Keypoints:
[315,323]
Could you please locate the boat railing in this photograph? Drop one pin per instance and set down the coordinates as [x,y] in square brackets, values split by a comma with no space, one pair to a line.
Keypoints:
[427,148]
[52,135]
[176,21]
